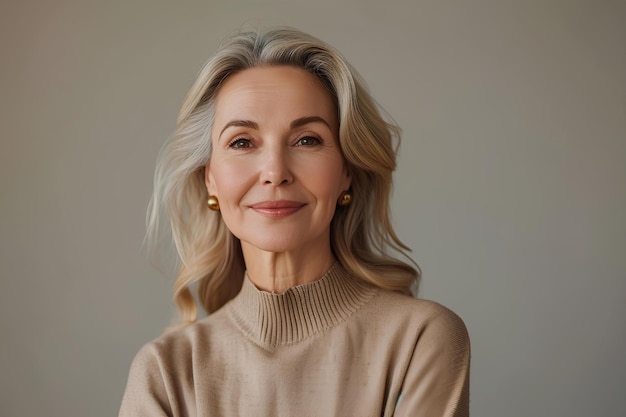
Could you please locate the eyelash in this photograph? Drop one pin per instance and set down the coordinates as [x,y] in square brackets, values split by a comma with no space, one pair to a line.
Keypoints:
[234,144]
[317,140]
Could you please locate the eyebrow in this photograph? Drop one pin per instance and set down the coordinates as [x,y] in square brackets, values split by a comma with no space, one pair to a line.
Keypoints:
[240,123]
[308,119]
[295,124]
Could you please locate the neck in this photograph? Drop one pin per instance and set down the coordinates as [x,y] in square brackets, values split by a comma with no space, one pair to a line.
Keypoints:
[276,272]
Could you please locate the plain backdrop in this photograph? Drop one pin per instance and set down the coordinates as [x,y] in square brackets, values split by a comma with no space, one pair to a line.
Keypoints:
[511,187]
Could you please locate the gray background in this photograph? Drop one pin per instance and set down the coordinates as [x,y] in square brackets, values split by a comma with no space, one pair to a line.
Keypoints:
[511,187]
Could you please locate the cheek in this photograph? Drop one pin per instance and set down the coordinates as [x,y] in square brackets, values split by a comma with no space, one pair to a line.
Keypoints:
[326,181]
[225,181]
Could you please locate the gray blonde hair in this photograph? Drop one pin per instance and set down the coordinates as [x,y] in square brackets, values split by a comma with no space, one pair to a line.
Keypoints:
[361,233]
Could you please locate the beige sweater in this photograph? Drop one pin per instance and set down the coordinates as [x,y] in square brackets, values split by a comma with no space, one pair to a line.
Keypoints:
[334,347]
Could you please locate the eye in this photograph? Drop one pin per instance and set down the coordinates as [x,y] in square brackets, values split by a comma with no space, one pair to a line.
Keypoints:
[308,141]
[240,143]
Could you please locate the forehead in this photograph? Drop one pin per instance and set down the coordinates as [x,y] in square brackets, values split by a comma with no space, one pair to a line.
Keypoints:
[277,92]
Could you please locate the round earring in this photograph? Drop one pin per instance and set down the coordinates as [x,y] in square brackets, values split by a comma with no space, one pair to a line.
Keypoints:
[344,198]
[213,203]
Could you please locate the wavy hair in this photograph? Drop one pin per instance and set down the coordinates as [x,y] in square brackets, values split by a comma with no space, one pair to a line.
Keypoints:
[362,237]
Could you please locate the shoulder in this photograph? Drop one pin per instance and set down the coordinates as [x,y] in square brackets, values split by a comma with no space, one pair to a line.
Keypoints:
[424,319]
[420,309]
[161,377]
[433,350]
[172,351]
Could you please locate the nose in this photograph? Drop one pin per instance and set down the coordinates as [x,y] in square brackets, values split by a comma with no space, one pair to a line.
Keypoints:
[276,169]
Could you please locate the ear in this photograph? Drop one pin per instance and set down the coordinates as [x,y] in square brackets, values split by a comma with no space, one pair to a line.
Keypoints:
[346,179]
[209,182]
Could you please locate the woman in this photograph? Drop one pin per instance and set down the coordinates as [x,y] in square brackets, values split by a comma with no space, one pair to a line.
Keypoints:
[309,315]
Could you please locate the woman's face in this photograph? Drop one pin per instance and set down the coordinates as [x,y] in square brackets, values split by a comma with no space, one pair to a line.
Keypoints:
[276,166]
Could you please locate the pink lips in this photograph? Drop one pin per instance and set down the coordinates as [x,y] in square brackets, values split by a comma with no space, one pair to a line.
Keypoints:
[277,208]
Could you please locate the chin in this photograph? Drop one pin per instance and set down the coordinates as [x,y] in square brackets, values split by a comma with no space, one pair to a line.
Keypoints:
[284,239]
[274,245]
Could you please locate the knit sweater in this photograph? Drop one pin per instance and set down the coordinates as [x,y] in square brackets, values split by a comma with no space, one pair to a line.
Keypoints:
[334,347]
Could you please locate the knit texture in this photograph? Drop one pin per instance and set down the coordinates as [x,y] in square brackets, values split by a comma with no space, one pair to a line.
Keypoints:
[334,347]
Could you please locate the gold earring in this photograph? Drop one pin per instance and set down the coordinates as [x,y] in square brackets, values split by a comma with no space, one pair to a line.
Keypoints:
[213,203]
[344,198]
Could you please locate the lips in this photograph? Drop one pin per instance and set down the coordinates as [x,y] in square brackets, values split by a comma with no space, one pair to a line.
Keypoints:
[277,208]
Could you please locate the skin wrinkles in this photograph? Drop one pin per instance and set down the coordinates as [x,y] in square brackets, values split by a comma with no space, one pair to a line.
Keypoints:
[268,111]
[253,125]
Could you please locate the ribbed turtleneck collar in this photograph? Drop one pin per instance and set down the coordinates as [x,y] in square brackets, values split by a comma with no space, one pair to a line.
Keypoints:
[302,311]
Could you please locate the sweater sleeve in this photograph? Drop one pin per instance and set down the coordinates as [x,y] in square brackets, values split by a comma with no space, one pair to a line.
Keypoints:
[146,392]
[437,379]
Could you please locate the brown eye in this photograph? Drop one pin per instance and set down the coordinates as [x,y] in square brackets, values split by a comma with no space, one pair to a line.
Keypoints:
[308,141]
[240,143]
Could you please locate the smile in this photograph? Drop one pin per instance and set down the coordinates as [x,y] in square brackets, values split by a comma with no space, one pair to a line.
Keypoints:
[277,209]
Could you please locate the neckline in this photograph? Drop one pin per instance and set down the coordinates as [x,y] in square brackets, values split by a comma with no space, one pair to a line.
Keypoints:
[300,312]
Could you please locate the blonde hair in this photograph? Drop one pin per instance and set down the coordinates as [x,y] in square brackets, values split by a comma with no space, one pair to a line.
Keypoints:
[361,233]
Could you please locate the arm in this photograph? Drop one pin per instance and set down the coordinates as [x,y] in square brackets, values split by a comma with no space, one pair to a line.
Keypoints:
[146,393]
[436,383]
